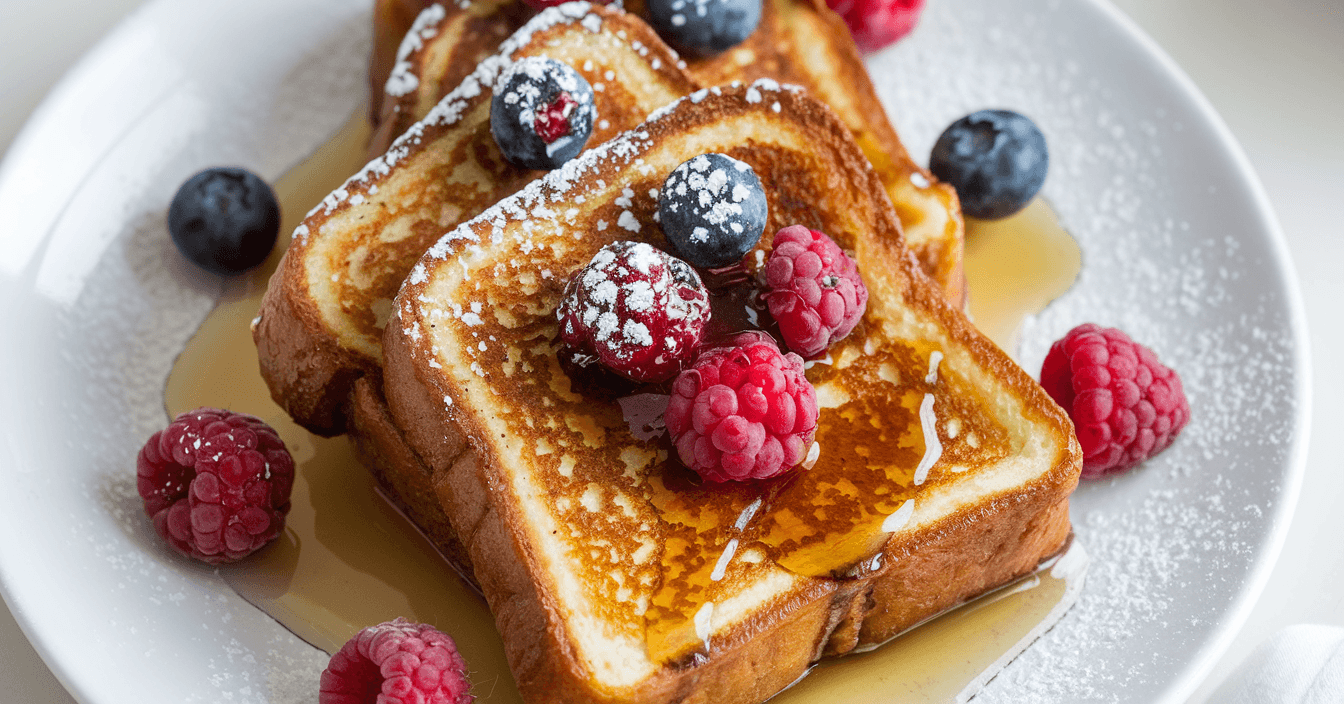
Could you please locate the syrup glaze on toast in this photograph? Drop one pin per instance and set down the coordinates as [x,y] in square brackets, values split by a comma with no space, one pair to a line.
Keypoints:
[800,42]
[321,321]
[634,583]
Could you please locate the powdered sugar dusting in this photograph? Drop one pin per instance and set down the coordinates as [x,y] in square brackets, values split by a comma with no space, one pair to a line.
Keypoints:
[403,80]
[1173,254]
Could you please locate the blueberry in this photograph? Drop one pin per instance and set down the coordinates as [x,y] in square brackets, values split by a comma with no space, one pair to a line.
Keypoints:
[701,28]
[542,113]
[225,220]
[712,209]
[996,159]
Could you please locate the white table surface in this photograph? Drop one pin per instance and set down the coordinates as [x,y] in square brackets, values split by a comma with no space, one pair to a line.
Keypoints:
[1274,69]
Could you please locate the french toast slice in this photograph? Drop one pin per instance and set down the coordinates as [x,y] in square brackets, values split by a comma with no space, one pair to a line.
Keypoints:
[613,574]
[320,325]
[799,42]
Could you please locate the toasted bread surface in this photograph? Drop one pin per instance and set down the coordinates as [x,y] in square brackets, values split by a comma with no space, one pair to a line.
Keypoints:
[800,42]
[614,575]
[321,320]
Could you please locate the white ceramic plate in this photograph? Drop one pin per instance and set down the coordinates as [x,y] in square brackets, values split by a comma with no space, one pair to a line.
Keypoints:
[1179,247]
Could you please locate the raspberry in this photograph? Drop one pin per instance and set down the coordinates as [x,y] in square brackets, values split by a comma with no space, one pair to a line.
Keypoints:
[1125,405]
[813,290]
[877,23]
[638,310]
[216,484]
[744,411]
[397,662]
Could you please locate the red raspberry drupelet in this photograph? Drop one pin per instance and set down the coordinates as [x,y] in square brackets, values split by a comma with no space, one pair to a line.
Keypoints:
[1125,405]
[398,662]
[813,290]
[636,309]
[742,412]
[216,484]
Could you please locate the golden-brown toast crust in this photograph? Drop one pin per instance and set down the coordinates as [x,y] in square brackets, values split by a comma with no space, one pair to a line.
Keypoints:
[320,323]
[955,556]
[380,446]
[309,372]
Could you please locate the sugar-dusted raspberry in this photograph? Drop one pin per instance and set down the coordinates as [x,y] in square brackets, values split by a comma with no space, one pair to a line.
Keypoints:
[813,290]
[1125,405]
[398,662]
[636,309]
[743,411]
[216,484]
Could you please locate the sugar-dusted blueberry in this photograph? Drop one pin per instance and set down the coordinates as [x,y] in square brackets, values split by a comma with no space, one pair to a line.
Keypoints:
[542,113]
[225,220]
[996,159]
[702,28]
[712,210]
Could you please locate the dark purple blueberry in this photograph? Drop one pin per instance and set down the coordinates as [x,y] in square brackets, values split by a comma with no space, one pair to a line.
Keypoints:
[702,28]
[225,220]
[712,210]
[542,113]
[996,159]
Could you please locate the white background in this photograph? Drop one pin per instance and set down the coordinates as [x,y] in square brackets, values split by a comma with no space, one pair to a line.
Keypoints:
[1274,69]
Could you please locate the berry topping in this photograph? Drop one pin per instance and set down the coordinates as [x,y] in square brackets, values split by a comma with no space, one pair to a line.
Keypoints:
[996,159]
[742,412]
[398,662]
[700,28]
[638,310]
[877,23]
[542,113]
[712,209]
[813,290]
[216,484]
[224,220]
[1125,405]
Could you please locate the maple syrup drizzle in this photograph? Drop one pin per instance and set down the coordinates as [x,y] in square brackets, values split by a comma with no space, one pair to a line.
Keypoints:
[1015,267]
[348,559]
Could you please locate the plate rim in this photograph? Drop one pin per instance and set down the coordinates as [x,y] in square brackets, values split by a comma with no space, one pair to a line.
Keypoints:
[1295,466]
[1293,470]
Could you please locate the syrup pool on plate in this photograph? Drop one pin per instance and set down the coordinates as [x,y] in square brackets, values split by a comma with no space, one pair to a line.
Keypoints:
[349,559]
[1015,267]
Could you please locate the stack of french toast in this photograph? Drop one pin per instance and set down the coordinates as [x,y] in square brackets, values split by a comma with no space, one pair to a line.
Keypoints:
[416,310]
